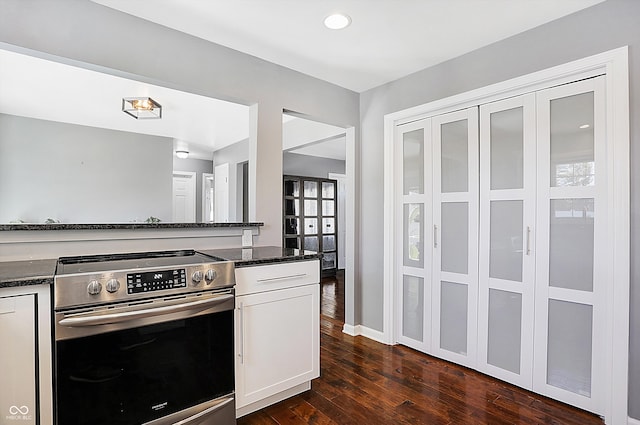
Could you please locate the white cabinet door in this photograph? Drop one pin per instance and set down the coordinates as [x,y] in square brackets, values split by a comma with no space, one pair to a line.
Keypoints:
[572,238]
[455,236]
[507,254]
[277,341]
[18,354]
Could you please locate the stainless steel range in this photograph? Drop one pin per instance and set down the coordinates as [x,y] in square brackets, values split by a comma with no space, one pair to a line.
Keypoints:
[144,338]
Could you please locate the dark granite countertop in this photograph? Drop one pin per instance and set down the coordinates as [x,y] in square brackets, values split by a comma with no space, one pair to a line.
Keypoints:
[258,255]
[36,272]
[29,272]
[122,226]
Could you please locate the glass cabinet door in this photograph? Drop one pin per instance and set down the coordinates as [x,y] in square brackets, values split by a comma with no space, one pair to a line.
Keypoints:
[455,236]
[507,262]
[572,234]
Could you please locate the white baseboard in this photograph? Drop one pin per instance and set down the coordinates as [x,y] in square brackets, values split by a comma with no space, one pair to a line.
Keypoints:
[631,421]
[359,330]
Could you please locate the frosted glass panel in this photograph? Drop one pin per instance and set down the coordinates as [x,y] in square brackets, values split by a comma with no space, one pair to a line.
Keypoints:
[310,207]
[311,226]
[292,188]
[329,243]
[507,149]
[412,307]
[328,225]
[572,141]
[310,189]
[292,226]
[291,207]
[505,321]
[328,208]
[571,244]
[328,190]
[413,240]
[569,346]
[505,258]
[311,243]
[454,147]
[454,237]
[453,317]
[413,161]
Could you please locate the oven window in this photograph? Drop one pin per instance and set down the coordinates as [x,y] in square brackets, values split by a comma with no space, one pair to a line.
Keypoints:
[137,375]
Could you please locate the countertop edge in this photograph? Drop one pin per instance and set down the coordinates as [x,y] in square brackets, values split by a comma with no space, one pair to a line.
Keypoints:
[122,226]
[43,277]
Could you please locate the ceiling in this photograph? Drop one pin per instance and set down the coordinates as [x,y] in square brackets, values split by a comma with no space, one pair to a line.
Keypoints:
[388,39]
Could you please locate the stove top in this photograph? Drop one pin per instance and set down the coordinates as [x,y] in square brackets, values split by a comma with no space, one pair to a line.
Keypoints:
[131,261]
[114,278]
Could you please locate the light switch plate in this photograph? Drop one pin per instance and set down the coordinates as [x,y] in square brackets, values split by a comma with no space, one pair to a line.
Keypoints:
[247,238]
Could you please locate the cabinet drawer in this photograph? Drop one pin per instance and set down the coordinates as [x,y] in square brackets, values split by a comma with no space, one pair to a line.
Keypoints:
[250,280]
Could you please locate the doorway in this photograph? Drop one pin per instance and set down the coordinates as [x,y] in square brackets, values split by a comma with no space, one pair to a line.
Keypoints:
[184,197]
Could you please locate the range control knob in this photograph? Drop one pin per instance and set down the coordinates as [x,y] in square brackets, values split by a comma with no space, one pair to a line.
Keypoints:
[113,285]
[210,275]
[94,287]
[197,277]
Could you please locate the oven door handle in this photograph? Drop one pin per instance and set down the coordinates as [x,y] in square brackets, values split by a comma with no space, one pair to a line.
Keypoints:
[81,320]
[205,412]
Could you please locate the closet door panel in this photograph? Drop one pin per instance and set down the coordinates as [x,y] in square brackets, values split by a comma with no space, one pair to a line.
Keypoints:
[413,209]
[506,261]
[572,239]
[455,236]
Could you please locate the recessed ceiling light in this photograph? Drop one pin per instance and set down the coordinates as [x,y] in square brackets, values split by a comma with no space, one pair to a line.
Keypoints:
[337,21]
[585,126]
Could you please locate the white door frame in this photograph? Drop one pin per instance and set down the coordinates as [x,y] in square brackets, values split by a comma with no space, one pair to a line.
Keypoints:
[205,176]
[341,219]
[613,64]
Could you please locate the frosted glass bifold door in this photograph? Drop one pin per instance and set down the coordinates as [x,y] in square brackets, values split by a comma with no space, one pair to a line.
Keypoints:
[437,269]
[572,241]
[507,219]
[502,241]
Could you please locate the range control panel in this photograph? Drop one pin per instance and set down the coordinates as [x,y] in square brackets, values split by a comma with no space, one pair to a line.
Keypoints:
[156,281]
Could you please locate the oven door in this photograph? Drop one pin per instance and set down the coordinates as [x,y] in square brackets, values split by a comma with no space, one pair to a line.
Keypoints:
[163,362]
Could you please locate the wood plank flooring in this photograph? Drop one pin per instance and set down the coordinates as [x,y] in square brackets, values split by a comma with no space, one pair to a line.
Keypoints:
[363,382]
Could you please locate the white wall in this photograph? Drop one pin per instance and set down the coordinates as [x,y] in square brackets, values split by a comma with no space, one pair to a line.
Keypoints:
[79,174]
[310,166]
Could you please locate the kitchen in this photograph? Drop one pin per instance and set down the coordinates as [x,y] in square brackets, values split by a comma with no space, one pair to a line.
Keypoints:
[71,32]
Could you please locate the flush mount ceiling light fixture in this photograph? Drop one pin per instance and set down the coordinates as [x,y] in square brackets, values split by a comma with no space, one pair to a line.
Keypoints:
[141,108]
[337,21]
[182,154]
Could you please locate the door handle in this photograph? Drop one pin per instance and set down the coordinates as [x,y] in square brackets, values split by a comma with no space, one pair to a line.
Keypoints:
[435,235]
[241,326]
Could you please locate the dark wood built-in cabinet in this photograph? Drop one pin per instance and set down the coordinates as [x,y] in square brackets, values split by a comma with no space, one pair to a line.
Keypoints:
[310,218]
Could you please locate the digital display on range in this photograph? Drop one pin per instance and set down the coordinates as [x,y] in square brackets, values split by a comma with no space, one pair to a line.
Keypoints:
[156,281]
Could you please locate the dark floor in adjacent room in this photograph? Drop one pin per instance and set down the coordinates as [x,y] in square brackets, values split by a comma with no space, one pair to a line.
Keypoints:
[363,382]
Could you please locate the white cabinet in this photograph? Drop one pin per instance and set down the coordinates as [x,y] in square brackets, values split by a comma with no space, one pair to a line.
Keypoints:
[25,355]
[277,332]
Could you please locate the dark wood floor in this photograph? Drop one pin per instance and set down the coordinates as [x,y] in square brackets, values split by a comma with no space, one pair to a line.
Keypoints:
[363,382]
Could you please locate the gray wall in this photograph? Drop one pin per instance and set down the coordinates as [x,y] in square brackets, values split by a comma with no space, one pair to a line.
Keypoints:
[93,34]
[79,174]
[235,155]
[200,167]
[605,26]
[310,166]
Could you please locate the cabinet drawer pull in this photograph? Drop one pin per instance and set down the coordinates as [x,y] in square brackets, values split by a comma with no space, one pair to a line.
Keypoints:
[241,326]
[275,279]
